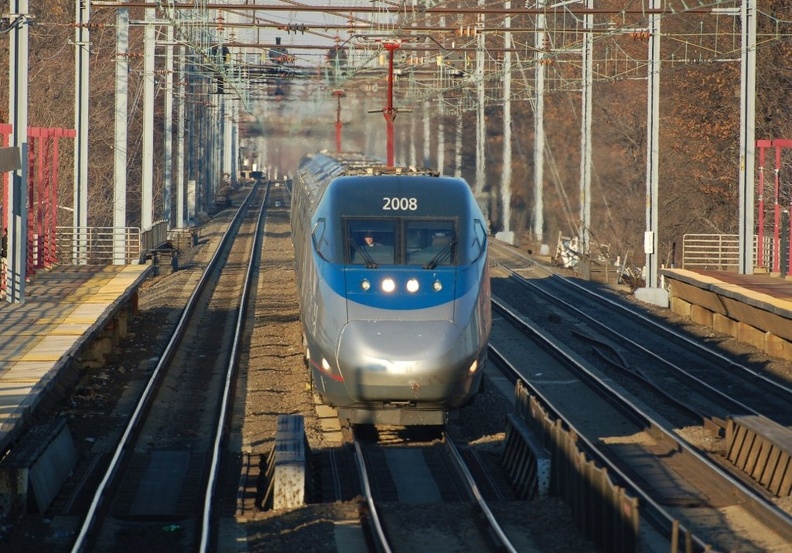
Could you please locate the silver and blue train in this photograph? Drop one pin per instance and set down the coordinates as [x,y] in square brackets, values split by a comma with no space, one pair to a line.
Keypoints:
[396,331]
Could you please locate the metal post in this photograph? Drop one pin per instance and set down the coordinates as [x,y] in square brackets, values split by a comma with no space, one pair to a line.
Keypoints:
[760,257]
[585,132]
[180,221]
[147,178]
[227,140]
[121,115]
[539,134]
[338,125]
[785,244]
[777,211]
[507,150]
[389,111]
[458,141]
[413,161]
[441,135]
[82,46]
[652,293]
[167,175]
[747,133]
[18,113]
[427,141]
[481,122]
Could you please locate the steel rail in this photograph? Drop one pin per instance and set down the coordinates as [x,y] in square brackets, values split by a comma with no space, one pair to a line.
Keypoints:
[706,389]
[221,430]
[504,542]
[644,320]
[378,531]
[777,519]
[81,541]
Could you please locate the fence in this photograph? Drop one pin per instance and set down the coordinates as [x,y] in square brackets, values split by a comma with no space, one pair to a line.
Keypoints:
[107,245]
[720,252]
[156,236]
[97,245]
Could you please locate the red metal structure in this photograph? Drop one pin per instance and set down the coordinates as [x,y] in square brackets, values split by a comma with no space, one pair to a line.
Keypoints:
[389,111]
[762,145]
[43,163]
[339,125]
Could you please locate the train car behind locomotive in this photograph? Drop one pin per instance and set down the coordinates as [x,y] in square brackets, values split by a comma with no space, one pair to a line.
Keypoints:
[393,284]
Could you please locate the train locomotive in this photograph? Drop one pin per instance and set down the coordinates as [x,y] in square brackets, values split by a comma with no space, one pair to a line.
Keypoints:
[393,283]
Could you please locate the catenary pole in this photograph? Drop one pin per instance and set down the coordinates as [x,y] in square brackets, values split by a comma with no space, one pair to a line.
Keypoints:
[747,134]
[585,133]
[18,113]
[539,134]
[147,176]
[82,52]
[120,150]
[167,170]
[507,149]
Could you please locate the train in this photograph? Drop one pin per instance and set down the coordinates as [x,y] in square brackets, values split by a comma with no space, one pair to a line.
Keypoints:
[395,332]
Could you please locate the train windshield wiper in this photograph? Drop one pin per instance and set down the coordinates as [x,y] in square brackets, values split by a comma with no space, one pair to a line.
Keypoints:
[370,263]
[446,251]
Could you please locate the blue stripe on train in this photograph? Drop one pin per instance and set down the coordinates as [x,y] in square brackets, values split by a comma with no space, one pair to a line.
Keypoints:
[346,281]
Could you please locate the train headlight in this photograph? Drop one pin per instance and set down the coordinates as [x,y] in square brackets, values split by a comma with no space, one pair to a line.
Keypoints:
[412,285]
[388,285]
[365,284]
[325,365]
[437,286]
[473,366]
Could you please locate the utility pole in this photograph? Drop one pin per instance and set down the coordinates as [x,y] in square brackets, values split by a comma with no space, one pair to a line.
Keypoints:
[18,112]
[652,293]
[167,170]
[147,176]
[507,235]
[539,133]
[121,114]
[82,55]
[481,123]
[747,134]
[585,137]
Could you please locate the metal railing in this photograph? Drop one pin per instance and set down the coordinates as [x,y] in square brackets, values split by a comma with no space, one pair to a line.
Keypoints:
[108,245]
[720,252]
[97,245]
[154,237]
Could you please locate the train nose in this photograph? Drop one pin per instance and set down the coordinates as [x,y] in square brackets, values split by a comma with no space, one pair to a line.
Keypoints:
[392,360]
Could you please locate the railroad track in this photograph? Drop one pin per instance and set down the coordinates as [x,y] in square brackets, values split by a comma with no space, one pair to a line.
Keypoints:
[741,406]
[625,431]
[423,496]
[158,491]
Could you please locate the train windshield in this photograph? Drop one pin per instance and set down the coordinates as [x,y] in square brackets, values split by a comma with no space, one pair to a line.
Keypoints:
[425,242]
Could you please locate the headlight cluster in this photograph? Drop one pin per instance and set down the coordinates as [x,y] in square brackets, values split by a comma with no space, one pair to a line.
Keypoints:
[388,285]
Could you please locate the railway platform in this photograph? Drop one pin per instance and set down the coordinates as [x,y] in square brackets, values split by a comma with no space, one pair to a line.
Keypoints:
[72,316]
[756,309]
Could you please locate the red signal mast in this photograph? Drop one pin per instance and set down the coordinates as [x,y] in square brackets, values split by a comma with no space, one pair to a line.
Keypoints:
[389,111]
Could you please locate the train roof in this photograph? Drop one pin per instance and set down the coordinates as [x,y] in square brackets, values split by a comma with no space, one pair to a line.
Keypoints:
[324,165]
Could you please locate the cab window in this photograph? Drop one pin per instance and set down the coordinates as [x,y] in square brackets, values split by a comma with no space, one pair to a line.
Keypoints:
[428,241]
[371,241]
